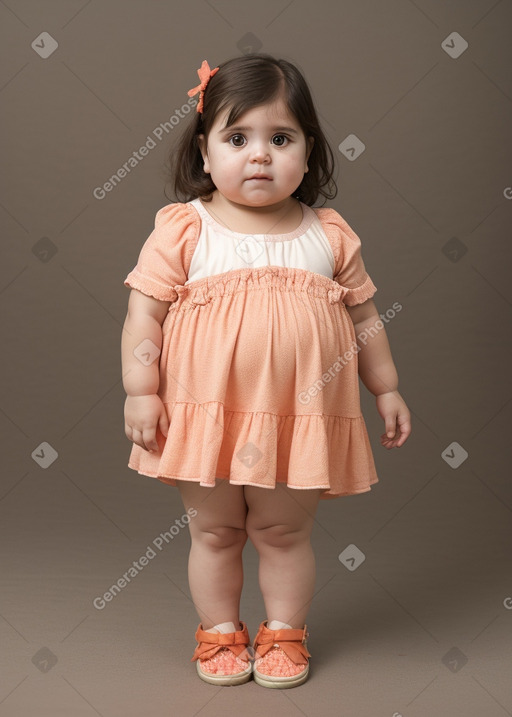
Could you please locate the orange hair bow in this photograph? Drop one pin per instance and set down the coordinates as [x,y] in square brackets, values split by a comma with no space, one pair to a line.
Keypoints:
[205,74]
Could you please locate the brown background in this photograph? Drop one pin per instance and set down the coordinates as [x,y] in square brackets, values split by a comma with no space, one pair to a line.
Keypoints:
[430,198]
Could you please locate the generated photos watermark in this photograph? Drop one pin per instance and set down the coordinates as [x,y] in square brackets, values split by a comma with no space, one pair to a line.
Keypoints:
[341,361]
[161,131]
[137,566]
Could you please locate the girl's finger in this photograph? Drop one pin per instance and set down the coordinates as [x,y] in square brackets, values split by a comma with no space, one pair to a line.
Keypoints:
[164,425]
[137,438]
[150,440]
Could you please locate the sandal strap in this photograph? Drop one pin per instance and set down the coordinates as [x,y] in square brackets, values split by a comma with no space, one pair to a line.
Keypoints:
[292,641]
[211,642]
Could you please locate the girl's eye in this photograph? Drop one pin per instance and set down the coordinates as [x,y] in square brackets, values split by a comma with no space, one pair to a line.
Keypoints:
[281,136]
[234,137]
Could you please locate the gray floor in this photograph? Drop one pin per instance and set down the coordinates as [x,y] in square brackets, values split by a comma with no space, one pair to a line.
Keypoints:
[420,627]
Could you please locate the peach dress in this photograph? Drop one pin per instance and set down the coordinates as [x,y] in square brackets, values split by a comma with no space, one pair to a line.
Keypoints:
[258,365]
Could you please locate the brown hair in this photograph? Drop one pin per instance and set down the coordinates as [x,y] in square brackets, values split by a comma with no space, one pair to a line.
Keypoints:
[241,84]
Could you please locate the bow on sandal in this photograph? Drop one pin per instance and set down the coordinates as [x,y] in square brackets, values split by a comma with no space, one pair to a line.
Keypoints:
[293,644]
[209,648]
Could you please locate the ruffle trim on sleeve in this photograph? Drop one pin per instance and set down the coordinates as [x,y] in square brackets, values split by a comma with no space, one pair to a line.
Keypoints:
[360,294]
[163,292]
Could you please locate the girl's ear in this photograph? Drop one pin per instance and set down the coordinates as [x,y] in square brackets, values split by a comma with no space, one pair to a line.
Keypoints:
[202,148]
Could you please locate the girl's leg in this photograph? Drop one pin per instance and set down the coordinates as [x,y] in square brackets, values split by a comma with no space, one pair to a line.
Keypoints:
[215,566]
[279,524]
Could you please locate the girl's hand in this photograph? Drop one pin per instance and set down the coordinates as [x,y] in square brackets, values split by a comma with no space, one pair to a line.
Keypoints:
[142,415]
[397,419]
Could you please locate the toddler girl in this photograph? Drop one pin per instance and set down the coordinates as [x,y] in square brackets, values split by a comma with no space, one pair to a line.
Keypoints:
[249,321]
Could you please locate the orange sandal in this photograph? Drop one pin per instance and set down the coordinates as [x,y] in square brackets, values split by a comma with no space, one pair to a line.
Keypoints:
[223,658]
[281,656]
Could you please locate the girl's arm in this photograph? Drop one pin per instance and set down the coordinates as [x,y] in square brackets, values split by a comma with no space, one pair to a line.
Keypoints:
[378,372]
[143,321]
[144,410]
[376,367]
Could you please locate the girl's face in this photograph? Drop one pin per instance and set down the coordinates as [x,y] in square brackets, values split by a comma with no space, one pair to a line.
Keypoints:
[266,141]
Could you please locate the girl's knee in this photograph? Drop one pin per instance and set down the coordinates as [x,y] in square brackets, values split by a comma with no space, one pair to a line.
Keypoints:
[219,537]
[282,518]
[277,536]
[221,512]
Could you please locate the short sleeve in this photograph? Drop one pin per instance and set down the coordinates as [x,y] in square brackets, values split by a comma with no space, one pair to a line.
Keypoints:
[165,257]
[349,269]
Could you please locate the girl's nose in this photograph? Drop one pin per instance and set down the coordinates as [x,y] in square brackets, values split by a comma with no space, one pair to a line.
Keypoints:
[259,152]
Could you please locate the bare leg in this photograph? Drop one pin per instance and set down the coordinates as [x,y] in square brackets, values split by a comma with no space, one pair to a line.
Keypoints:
[279,523]
[215,566]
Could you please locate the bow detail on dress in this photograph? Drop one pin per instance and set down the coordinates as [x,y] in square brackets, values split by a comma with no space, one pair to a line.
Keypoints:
[181,289]
[292,642]
[336,293]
